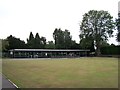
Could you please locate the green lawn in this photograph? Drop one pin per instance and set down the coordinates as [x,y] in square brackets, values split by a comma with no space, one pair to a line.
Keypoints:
[68,73]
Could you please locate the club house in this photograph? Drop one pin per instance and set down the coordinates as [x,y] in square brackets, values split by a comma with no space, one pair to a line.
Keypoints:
[47,53]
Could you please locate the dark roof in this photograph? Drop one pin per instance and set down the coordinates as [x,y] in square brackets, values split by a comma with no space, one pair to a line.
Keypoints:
[53,50]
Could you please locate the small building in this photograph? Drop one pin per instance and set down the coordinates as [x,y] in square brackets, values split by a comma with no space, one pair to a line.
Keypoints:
[47,53]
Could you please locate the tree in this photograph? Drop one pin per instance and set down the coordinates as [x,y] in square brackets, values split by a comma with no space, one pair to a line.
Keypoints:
[97,25]
[67,39]
[30,41]
[63,39]
[58,36]
[15,43]
[37,41]
[5,44]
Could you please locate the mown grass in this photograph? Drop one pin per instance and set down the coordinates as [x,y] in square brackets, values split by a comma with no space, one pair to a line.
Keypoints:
[63,73]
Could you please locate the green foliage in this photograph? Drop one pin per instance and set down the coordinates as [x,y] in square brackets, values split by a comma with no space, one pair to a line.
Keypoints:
[96,26]
[67,39]
[15,43]
[42,42]
[63,39]
[59,38]
[75,45]
[37,42]
[87,43]
[50,45]
[110,50]
[30,41]
[5,44]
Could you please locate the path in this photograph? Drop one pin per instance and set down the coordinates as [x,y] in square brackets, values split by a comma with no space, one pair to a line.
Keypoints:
[6,84]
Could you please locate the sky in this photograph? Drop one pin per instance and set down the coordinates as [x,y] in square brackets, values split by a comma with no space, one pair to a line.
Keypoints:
[20,17]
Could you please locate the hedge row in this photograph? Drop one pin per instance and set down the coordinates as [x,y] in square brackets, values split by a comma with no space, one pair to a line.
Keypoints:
[110,50]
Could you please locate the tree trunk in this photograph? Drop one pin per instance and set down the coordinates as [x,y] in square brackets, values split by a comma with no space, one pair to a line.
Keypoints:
[97,51]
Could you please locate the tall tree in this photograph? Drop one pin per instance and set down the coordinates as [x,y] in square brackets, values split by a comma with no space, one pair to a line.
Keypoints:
[58,36]
[31,36]
[37,41]
[30,41]
[67,39]
[97,25]
[63,39]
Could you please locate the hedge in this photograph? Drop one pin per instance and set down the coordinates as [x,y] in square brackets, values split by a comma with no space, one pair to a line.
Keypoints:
[110,50]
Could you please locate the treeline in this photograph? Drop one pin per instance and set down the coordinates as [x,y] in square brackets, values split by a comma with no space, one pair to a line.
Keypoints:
[62,40]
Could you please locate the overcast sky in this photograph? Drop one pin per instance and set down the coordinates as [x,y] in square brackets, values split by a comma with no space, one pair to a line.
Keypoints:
[20,17]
